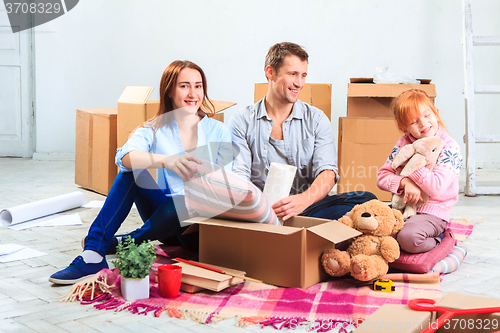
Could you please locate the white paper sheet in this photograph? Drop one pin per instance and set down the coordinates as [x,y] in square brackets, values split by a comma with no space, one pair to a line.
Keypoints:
[10,248]
[41,208]
[49,221]
[94,204]
[24,253]
[279,182]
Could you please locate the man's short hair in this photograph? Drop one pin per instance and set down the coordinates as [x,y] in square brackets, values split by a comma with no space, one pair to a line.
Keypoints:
[277,53]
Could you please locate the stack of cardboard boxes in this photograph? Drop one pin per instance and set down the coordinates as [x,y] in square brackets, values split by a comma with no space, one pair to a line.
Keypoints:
[99,132]
[369,132]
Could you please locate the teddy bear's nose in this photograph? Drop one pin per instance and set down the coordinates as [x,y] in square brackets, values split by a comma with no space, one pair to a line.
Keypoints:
[367,222]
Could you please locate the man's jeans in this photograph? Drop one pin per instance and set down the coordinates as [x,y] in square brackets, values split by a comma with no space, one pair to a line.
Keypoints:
[335,206]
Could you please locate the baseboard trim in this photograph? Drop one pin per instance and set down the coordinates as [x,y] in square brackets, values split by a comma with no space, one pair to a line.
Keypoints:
[53,156]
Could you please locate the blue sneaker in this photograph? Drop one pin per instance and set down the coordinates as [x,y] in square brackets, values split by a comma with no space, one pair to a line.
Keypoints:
[76,271]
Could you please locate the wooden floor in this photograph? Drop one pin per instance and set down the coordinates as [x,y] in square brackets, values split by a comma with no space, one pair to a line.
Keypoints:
[29,303]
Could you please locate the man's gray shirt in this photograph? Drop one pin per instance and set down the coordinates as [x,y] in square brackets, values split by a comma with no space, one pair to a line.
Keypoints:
[308,138]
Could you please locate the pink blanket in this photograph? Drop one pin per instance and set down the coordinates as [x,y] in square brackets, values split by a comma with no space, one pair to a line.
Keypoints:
[323,305]
[320,307]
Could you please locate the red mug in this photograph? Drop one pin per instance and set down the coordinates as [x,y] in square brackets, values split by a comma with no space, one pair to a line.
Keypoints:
[169,280]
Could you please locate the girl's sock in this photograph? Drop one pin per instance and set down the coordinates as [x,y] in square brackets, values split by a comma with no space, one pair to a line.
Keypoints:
[452,261]
[91,257]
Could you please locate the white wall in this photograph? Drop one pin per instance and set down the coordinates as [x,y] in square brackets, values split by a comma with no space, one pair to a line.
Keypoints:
[85,58]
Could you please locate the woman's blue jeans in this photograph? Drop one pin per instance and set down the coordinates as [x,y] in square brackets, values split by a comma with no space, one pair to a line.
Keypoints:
[159,213]
[335,206]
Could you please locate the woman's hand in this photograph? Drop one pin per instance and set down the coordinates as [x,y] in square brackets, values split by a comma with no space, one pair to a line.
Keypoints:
[413,194]
[184,165]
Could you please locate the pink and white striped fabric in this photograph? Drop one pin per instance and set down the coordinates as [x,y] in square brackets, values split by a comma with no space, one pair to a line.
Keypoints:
[217,192]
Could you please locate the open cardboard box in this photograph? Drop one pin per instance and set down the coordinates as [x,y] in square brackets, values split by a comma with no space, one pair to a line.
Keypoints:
[401,319]
[364,146]
[315,94]
[287,256]
[367,99]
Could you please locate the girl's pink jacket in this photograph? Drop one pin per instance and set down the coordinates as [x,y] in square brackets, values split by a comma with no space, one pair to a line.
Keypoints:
[441,183]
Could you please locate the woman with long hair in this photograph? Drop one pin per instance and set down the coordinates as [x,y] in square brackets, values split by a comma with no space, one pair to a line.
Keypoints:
[174,143]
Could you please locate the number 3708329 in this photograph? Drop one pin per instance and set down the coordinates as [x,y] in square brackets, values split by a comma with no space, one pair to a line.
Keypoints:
[33,8]
[462,323]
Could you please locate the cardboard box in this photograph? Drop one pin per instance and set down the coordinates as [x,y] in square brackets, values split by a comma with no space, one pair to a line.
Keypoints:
[487,322]
[401,319]
[395,318]
[364,146]
[134,109]
[367,99]
[315,94]
[95,149]
[287,256]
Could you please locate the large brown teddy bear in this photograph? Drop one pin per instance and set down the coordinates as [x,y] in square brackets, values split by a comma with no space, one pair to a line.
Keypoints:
[368,255]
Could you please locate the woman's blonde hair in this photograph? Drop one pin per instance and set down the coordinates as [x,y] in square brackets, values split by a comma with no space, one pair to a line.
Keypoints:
[406,107]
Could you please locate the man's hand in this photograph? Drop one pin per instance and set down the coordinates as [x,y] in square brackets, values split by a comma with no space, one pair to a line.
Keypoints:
[412,192]
[291,206]
[184,165]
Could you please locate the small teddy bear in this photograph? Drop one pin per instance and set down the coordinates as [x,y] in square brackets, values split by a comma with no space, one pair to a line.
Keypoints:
[422,153]
[368,255]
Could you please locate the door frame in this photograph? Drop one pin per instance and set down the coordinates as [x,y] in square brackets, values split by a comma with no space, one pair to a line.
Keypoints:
[25,145]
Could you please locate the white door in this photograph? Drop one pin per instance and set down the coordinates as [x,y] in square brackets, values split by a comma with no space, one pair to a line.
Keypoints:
[16,90]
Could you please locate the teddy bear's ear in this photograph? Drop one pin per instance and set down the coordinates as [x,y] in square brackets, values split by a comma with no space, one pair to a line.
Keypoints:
[347,221]
[399,220]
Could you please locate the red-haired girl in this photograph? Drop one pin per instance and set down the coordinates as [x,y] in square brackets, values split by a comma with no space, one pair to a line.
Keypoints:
[417,118]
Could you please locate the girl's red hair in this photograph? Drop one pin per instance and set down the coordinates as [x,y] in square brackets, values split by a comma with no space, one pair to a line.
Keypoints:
[406,107]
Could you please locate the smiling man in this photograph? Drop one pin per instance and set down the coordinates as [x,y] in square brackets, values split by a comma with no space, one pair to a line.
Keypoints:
[281,128]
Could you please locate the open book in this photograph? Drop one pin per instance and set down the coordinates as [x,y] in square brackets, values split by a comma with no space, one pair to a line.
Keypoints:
[195,278]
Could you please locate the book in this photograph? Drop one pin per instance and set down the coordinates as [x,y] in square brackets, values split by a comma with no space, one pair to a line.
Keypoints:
[195,278]
[189,288]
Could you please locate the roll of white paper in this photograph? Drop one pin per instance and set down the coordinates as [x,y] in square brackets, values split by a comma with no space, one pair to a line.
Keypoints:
[279,182]
[41,208]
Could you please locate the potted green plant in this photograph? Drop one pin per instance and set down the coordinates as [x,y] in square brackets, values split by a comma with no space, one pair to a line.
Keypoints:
[134,262]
